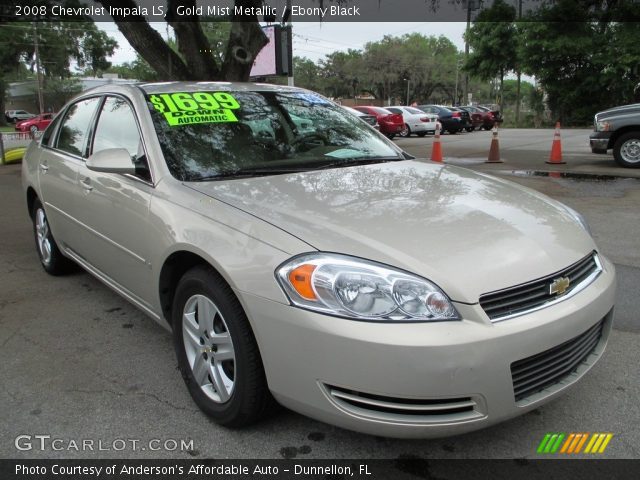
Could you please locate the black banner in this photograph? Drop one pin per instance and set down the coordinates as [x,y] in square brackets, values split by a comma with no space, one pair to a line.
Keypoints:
[408,467]
[294,10]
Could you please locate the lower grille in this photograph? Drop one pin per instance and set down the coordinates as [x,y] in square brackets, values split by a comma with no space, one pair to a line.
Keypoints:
[538,372]
[413,410]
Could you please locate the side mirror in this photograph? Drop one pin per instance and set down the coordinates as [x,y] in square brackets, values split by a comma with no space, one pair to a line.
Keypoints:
[111,160]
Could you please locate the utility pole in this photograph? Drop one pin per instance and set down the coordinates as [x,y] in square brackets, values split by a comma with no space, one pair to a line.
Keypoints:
[518,73]
[38,75]
[466,52]
[290,81]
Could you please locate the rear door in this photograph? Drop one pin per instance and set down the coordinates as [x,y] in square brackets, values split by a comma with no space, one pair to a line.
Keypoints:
[62,153]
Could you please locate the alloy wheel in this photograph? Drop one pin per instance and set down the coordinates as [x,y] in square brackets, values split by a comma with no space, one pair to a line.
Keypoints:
[209,348]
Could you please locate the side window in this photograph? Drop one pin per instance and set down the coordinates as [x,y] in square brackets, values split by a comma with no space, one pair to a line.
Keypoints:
[117,128]
[48,133]
[394,110]
[75,127]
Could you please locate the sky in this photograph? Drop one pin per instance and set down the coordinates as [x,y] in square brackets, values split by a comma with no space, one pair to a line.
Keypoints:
[315,40]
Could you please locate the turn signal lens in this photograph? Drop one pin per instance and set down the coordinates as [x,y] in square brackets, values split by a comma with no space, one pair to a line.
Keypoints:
[300,279]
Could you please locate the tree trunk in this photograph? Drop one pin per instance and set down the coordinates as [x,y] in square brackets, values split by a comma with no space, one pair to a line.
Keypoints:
[518,99]
[502,92]
[3,91]
[192,43]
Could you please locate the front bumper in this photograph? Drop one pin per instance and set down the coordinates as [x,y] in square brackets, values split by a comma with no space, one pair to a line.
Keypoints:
[315,363]
[599,142]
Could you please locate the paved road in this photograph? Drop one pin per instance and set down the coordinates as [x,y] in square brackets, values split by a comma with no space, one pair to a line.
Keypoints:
[78,362]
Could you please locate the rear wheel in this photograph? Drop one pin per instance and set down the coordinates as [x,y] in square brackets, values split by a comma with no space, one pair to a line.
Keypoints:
[405,132]
[218,356]
[469,129]
[626,150]
[50,256]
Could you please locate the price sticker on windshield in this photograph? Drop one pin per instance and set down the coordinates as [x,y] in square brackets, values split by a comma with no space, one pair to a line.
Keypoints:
[184,108]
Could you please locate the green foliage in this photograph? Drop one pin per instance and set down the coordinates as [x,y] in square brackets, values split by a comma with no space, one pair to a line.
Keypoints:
[584,65]
[493,40]
[139,69]
[425,64]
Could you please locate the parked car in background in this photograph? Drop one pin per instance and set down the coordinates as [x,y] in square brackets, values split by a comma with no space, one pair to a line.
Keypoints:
[477,118]
[14,116]
[39,122]
[451,121]
[415,121]
[487,118]
[327,270]
[391,124]
[618,129]
[466,121]
[494,110]
[365,117]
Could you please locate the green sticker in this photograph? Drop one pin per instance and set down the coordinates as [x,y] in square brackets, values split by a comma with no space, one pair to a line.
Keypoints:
[185,108]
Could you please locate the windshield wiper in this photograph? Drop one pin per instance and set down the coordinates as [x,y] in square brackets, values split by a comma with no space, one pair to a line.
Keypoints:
[259,172]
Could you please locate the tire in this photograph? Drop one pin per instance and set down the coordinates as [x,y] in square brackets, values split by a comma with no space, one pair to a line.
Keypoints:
[33,129]
[405,132]
[626,150]
[421,134]
[51,258]
[217,353]
[470,129]
[391,136]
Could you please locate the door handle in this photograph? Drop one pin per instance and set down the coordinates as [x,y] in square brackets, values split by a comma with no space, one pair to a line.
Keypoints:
[86,184]
[44,168]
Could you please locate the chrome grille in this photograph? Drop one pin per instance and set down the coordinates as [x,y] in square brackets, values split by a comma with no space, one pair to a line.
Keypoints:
[538,372]
[531,296]
[405,409]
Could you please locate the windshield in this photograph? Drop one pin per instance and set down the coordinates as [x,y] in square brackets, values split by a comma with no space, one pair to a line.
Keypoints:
[210,135]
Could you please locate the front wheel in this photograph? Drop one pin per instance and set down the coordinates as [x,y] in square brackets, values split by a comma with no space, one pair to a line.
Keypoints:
[469,129]
[218,356]
[51,257]
[33,129]
[626,150]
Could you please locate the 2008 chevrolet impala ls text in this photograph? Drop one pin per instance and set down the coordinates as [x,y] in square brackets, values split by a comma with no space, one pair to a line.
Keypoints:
[300,257]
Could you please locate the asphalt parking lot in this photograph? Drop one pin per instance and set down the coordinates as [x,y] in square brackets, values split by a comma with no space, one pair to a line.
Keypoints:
[79,362]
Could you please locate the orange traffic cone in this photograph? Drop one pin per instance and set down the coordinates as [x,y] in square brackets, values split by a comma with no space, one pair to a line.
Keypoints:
[556,148]
[494,150]
[436,149]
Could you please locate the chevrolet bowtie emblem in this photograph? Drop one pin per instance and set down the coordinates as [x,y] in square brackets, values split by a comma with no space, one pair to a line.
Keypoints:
[559,286]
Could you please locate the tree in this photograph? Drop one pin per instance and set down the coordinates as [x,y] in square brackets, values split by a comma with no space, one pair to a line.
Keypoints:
[196,58]
[493,40]
[139,69]
[587,64]
[59,42]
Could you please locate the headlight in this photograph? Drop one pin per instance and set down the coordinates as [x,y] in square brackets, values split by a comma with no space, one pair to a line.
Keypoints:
[602,126]
[579,218]
[349,287]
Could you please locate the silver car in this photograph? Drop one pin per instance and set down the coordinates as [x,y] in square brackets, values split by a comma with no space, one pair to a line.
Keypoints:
[320,267]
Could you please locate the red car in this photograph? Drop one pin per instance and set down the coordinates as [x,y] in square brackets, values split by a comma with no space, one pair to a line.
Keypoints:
[390,123]
[39,122]
[488,117]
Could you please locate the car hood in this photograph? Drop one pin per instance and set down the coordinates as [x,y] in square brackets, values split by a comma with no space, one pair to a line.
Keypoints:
[616,111]
[469,233]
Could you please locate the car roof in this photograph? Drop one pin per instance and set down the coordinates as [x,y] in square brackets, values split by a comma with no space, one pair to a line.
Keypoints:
[191,86]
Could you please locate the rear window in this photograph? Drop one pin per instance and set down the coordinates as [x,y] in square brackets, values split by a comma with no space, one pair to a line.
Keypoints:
[380,111]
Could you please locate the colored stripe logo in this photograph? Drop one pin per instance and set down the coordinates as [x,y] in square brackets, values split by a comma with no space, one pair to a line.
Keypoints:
[572,443]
